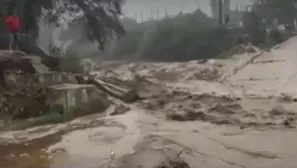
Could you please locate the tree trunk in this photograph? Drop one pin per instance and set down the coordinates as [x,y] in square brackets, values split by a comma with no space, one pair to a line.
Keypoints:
[113,87]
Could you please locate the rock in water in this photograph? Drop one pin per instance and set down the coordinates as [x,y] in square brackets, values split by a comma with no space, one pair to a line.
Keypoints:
[150,158]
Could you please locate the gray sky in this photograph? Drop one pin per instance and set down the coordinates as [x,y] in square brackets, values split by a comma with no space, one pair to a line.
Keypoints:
[133,8]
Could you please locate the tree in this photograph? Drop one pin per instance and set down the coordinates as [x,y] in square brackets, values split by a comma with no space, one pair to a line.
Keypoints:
[129,23]
[101,17]
[226,7]
[255,27]
[214,8]
[285,11]
[180,38]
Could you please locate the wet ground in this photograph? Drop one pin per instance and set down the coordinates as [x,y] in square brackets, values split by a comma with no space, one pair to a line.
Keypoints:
[219,122]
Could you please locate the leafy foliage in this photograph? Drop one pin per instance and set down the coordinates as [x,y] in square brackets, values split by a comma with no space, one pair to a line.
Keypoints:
[254,27]
[267,15]
[214,8]
[101,17]
[196,36]
[285,11]
[183,37]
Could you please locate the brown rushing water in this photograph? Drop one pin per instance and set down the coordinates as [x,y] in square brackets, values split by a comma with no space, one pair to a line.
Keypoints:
[268,143]
[30,154]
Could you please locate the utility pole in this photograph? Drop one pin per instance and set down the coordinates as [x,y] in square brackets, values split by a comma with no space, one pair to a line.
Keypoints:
[141,16]
[226,11]
[158,16]
[181,6]
[136,16]
[220,11]
[166,12]
[152,16]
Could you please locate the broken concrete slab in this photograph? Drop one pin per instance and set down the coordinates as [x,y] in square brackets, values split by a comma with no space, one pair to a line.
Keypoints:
[75,100]
[54,78]
[112,86]
[47,79]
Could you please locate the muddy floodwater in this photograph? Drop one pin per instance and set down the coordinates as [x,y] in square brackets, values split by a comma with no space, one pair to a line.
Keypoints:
[137,137]
[234,113]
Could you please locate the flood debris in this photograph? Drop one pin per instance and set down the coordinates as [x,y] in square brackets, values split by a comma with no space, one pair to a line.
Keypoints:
[120,109]
[114,87]
[170,163]
[149,157]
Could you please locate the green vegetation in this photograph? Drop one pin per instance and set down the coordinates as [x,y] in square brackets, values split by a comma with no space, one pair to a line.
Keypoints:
[197,36]
[183,37]
[267,15]
[285,11]
[178,38]
[99,24]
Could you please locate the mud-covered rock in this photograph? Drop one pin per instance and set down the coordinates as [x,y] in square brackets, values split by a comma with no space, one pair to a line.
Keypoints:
[151,158]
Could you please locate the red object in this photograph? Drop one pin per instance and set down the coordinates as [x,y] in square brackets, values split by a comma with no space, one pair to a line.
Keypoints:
[12,23]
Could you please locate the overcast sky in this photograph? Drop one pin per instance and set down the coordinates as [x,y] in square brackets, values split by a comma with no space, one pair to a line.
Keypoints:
[133,8]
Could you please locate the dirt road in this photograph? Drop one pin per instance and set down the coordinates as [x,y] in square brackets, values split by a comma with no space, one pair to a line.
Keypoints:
[247,121]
